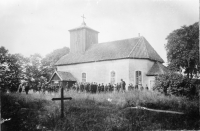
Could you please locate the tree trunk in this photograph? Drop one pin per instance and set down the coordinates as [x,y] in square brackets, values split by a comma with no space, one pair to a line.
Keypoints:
[188,74]
[165,90]
[188,71]
[191,76]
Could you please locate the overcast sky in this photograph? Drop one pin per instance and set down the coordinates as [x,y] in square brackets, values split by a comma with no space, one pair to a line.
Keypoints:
[41,26]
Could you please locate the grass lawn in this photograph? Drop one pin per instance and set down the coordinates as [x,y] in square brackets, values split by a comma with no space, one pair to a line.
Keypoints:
[99,112]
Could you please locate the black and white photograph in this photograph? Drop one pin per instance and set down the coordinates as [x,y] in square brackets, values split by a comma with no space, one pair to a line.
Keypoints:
[99,65]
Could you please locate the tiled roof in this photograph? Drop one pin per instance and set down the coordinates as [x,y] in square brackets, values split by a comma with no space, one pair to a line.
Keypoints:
[157,69]
[137,48]
[64,76]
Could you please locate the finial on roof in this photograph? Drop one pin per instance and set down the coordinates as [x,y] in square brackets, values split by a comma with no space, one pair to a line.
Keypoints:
[83,20]
[138,34]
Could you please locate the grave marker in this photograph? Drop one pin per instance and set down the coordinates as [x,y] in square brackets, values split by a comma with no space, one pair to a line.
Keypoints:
[62,100]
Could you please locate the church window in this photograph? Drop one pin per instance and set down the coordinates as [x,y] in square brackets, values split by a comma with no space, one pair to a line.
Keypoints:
[83,77]
[112,77]
[138,78]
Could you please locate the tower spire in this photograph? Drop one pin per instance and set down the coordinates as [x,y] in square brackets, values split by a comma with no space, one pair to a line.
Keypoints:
[83,20]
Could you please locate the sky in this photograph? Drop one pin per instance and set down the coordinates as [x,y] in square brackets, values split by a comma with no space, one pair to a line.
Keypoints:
[41,26]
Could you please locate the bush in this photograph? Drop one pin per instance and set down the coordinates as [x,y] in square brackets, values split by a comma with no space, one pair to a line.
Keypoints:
[172,83]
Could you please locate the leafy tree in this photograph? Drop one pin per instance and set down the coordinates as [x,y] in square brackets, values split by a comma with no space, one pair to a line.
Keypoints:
[3,55]
[50,59]
[169,83]
[33,70]
[176,84]
[183,50]
[11,71]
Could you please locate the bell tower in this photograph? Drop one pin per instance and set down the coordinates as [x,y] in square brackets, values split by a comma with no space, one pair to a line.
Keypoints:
[82,37]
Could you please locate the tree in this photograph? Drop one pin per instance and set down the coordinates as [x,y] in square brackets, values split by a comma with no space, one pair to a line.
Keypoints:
[170,83]
[174,83]
[14,68]
[50,59]
[10,70]
[33,70]
[183,50]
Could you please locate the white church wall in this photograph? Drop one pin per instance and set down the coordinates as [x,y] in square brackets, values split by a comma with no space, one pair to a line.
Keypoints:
[143,65]
[99,72]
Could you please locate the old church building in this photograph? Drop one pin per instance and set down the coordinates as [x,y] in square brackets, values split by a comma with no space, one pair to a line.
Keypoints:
[134,60]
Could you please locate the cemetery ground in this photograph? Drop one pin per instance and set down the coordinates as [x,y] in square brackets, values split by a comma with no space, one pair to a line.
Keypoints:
[99,112]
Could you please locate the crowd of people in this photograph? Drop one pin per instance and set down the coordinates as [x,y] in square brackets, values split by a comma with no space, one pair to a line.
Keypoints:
[24,87]
[92,87]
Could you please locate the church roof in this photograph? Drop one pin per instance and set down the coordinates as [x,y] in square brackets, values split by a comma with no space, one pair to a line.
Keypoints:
[157,69]
[64,76]
[133,48]
[83,25]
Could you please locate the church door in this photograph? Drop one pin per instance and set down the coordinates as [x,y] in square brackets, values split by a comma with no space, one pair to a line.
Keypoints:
[138,78]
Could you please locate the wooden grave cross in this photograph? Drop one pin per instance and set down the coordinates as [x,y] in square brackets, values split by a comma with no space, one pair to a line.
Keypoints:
[62,101]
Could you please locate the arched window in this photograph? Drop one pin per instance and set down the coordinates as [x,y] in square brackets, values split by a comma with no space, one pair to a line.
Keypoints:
[112,77]
[83,77]
[138,77]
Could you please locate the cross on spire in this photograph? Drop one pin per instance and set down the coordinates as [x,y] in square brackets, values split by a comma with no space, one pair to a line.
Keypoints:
[83,17]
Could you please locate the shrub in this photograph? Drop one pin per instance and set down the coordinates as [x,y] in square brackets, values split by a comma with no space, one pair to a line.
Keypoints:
[174,84]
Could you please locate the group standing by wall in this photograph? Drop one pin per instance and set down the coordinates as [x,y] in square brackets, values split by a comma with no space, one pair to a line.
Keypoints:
[88,87]
[94,87]
[24,87]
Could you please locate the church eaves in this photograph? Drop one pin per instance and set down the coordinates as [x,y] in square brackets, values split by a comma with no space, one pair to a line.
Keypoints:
[133,48]
[63,76]
[157,69]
